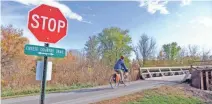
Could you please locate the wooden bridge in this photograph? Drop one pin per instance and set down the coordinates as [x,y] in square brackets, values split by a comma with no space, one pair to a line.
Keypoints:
[183,72]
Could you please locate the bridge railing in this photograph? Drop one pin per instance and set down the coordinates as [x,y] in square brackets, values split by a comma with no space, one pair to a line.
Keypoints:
[149,72]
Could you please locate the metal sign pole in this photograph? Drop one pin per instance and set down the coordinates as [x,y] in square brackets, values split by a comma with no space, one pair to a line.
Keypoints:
[43,85]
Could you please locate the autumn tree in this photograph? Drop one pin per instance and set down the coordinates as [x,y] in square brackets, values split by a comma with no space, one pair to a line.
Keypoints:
[13,60]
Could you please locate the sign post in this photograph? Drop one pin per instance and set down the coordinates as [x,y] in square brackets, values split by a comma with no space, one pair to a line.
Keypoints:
[48,25]
[43,84]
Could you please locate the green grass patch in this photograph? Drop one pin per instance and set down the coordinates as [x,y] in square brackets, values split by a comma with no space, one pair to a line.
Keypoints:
[166,99]
[11,93]
[166,96]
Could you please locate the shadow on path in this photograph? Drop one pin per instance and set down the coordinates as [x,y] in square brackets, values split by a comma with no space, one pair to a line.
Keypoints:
[92,90]
[86,90]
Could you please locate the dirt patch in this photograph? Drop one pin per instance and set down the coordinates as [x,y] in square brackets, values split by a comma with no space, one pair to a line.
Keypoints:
[183,90]
[203,94]
[122,99]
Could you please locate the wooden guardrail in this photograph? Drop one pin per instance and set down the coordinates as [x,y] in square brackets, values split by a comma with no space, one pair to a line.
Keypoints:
[149,72]
[204,80]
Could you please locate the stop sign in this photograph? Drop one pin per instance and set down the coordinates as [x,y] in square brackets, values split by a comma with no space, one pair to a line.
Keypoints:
[47,23]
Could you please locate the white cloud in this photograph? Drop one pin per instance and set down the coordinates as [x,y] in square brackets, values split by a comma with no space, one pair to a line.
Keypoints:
[89,22]
[64,9]
[202,20]
[155,5]
[185,2]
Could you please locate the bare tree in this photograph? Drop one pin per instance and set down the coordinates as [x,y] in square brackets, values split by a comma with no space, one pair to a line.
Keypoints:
[183,53]
[135,50]
[193,50]
[146,48]
[205,55]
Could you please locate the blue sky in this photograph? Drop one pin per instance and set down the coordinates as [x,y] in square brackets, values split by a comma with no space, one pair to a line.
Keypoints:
[183,21]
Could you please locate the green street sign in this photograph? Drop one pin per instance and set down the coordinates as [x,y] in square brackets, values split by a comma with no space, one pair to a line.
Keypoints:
[44,51]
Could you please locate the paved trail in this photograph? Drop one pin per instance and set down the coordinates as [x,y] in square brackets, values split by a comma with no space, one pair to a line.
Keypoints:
[90,95]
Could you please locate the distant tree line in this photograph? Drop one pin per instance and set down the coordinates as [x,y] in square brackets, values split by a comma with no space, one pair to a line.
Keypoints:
[112,42]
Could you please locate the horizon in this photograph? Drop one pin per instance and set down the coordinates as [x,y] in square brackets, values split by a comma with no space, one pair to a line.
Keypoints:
[166,22]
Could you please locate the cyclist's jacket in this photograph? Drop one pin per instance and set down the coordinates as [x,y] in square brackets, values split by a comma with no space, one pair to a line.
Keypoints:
[120,65]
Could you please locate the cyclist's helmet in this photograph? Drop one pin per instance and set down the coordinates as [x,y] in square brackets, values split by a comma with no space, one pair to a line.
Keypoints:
[122,57]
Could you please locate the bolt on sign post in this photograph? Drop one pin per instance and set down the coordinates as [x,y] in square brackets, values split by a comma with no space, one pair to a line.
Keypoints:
[48,25]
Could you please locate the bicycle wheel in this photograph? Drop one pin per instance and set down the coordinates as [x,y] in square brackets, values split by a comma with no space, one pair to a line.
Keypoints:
[114,83]
[127,79]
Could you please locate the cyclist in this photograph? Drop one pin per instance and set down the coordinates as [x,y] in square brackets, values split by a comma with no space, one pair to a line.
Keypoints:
[120,67]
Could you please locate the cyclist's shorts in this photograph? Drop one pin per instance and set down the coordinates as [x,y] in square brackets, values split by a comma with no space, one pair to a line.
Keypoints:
[118,70]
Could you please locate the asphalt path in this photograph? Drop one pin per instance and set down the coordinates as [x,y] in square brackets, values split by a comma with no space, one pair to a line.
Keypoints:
[92,95]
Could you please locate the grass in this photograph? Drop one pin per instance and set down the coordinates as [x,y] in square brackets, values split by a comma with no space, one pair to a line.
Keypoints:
[166,99]
[166,95]
[161,95]
[11,93]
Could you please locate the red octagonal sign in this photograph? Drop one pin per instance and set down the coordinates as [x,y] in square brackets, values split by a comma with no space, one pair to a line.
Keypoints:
[47,23]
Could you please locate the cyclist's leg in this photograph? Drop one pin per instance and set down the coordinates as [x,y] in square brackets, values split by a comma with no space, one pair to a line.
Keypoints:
[121,74]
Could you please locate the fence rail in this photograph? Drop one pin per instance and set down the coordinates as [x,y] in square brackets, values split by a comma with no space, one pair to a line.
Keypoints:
[149,72]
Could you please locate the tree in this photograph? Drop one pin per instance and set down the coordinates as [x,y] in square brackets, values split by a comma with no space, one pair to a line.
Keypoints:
[161,55]
[114,42]
[15,65]
[205,55]
[167,50]
[193,51]
[91,48]
[135,50]
[183,53]
[12,43]
[171,50]
[146,48]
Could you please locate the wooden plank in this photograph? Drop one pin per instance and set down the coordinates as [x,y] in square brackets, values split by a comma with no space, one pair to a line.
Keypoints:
[161,72]
[149,73]
[211,79]
[202,85]
[145,73]
[210,86]
[182,71]
[171,71]
[207,80]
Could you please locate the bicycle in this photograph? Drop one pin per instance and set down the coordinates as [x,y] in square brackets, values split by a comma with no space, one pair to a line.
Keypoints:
[115,79]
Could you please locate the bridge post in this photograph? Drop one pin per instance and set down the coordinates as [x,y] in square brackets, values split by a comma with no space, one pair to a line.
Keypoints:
[201,80]
[161,72]
[171,71]
[207,79]
[182,71]
[149,73]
